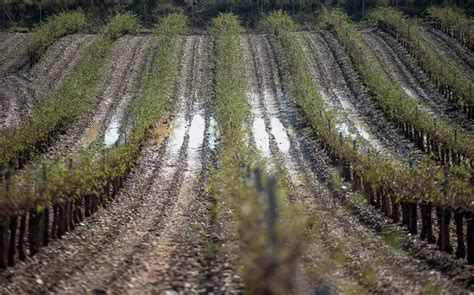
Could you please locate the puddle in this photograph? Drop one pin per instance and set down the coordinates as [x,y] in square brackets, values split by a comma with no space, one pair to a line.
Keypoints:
[361,128]
[359,124]
[212,133]
[112,133]
[178,131]
[261,136]
[196,131]
[196,139]
[91,134]
[281,137]
[410,92]
[344,129]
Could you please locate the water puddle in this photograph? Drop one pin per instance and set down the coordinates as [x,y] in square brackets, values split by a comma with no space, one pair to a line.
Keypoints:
[280,134]
[178,131]
[360,125]
[212,133]
[409,92]
[344,129]
[261,136]
[91,134]
[112,133]
[196,139]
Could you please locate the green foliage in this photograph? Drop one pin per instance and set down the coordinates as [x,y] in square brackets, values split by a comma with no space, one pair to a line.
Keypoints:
[156,98]
[265,270]
[172,24]
[454,21]
[389,95]
[377,171]
[18,30]
[279,22]
[120,25]
[441,68]
[74,97]
[54,28]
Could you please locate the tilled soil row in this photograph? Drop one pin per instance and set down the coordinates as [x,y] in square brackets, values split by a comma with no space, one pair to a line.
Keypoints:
[119,85]
[330,56]
[451,48]
[404,70]
[92,243]
[372,219]
[23,88]
[13,49]
[153,238]
[347,249]
[170,260]
[328,75]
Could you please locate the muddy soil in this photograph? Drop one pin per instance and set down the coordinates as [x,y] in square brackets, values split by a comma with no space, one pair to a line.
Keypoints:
[403,69]
[333,79]
[155,237]
[161,235]
[120,83]
[23,87]
[451,48]
[339,81]
[341,252]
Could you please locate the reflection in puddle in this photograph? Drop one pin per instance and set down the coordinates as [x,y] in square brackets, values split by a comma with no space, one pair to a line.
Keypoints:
[212,133]
[177,134]
[281,137]
[112,133]
[196,139]
[261,136]
[409,92]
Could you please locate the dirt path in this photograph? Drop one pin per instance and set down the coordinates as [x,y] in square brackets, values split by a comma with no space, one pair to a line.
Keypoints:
[22,88]
[451,48]
[152,238]
[341,254]
[403,69]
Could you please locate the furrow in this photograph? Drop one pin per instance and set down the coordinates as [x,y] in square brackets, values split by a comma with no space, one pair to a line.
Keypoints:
[13,50]
[350,256]
[401,67]
[109,236]
[156,270]
[24,88]
[451,48]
